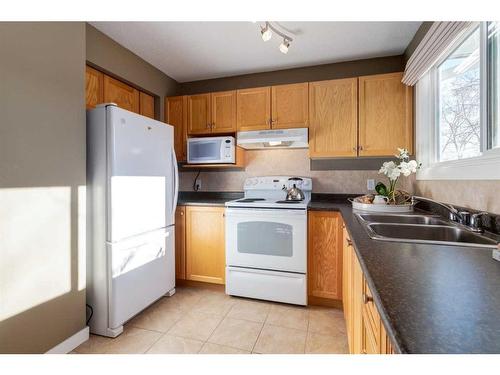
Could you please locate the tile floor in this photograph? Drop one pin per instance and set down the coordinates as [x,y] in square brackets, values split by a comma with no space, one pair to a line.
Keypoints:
[206,321]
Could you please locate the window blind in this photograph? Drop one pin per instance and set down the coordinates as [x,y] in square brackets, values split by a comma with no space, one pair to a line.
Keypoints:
[434,43]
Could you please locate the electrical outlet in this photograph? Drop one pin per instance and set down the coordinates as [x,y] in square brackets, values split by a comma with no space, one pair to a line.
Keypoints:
[198,184]
[370,184]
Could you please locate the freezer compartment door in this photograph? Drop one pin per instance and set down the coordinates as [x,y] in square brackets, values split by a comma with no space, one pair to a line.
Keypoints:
[142,270]
[276,286]
[141,174]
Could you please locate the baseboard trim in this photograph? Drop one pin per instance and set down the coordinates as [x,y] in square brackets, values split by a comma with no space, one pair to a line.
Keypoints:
[71,342]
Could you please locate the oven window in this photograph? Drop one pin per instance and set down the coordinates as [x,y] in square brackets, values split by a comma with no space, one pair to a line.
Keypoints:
[204,150]
[265,238]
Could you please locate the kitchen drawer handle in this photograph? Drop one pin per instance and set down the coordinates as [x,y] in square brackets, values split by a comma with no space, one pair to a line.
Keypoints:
[367,298]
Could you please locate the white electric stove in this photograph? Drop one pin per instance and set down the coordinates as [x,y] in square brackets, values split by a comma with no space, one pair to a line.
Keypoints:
[266,241]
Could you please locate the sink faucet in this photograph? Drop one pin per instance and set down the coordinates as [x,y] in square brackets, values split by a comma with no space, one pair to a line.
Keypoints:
[453,213]
[470,221]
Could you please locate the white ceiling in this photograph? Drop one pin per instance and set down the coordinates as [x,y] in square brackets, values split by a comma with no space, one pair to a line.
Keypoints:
[189,51]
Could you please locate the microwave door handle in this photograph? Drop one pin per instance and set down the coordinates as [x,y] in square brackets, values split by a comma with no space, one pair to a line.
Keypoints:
[175,181]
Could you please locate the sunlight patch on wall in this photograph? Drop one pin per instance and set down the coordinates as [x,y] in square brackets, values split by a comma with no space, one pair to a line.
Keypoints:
[82,237]
[35,247]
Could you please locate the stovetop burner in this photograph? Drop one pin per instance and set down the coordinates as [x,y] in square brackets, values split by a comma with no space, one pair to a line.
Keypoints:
[249,200]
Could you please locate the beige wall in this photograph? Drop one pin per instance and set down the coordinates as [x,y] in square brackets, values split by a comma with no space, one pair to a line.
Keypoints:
[42,179]
[109,56]
[293,162]
[479,195]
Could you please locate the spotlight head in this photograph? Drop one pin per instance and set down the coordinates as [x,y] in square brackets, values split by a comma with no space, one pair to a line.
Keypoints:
[284,46]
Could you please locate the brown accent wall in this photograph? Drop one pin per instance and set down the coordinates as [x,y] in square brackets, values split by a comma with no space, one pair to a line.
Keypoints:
[42,184]
[112,58]
[307,74]
[417,38]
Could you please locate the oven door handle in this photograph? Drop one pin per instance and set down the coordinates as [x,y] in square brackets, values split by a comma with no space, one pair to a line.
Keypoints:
[244,212]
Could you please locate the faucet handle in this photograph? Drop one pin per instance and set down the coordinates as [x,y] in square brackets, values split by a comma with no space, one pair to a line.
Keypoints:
[475,221]
[464,217]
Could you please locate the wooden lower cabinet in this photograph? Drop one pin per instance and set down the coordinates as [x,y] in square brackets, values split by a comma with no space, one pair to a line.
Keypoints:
[324,274]
[205,244]
[365,332]
[180,243]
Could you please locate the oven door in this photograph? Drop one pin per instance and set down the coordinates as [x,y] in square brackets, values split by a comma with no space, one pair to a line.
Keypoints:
[269,239]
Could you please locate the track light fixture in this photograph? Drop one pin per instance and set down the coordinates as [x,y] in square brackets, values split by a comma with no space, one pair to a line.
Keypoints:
[266,33]
[284,46]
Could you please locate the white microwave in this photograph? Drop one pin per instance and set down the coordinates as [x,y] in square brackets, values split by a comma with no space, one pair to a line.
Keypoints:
[211,150]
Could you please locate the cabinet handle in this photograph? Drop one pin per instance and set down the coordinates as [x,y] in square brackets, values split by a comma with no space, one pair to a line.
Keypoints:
[349,242]
[360,148]
[213,125]
[182,213]
[367,298]
[355,148]
[208,126]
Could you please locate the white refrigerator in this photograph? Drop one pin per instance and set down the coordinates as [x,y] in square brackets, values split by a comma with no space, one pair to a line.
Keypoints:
[132,187]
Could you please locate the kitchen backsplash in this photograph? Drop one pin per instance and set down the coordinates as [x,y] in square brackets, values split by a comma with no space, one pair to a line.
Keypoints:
[478,195]
[293,162]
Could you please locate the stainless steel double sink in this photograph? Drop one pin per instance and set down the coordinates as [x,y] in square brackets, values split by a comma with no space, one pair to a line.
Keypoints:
[419,228]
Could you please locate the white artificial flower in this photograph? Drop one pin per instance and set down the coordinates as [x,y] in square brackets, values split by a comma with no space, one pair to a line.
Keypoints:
[403,153]
[394,174]
[387,167]
[413,166]
[405,168]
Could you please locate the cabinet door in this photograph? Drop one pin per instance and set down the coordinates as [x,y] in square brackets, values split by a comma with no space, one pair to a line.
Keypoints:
[199,117]
[254,109]
[333,118]
[147,105]
[205,255]
[385,115]
[93,87]
[290,106]
[180,243]
[223,112]
[368,341]
[325,254]
[123,95]
[357,305]
[176,115]
[347,286]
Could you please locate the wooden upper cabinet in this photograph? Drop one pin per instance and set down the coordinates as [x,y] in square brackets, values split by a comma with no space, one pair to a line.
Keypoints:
[324,275]
[199,116]
[205,244]
[123,95]
[290,106]
[147,105]
[253,109]
[93,87]
[176,115]
[385,115]
[333,114]
[223,111]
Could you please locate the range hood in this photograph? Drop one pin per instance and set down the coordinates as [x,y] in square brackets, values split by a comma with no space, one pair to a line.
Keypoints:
[270,139]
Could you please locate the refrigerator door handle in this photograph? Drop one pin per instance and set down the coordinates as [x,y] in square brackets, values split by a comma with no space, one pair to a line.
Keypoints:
[176,182]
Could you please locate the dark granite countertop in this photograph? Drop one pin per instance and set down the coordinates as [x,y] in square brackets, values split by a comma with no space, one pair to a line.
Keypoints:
[431,298]
[191,198]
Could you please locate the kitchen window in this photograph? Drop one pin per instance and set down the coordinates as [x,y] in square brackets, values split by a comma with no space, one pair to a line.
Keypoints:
[457,102]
